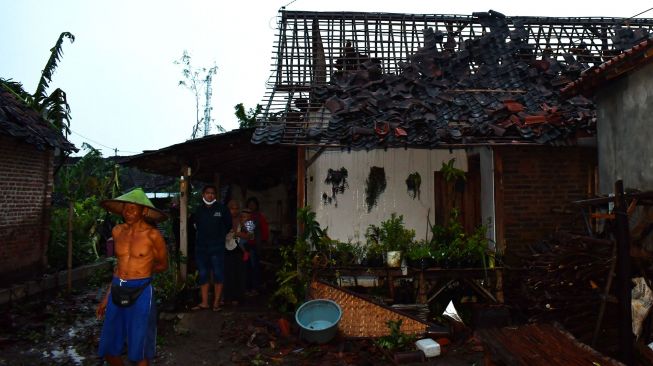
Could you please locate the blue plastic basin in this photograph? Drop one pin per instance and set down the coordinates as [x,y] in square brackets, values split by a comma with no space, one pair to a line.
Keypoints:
[318,320]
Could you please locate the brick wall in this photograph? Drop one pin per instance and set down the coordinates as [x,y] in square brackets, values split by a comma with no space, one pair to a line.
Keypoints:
[25,195]
[538,182]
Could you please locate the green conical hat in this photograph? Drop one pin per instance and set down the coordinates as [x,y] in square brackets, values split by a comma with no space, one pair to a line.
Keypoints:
[138,197]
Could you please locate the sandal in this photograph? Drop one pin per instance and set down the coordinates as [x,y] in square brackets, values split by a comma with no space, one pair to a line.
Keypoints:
[216,309]
[199,307]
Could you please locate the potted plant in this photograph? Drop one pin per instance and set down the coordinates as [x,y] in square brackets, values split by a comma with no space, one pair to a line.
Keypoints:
[453,247]
[344,254]
[419,255]
[374,251]
[395,239]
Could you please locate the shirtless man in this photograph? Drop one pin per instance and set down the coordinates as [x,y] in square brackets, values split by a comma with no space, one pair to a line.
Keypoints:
[129,307]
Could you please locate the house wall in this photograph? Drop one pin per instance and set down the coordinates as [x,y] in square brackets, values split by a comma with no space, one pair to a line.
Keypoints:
[25,196]
[350,219]
[625,114]
[537,185]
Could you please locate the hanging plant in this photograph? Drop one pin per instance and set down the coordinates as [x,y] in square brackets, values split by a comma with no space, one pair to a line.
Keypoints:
[374,186]
[413,183]
[455,175]
[338,181]
[326,200]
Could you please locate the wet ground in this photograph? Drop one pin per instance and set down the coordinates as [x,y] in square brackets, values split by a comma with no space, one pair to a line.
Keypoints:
[63,331]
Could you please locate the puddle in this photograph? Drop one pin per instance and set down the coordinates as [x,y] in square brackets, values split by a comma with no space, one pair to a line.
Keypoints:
[59,332]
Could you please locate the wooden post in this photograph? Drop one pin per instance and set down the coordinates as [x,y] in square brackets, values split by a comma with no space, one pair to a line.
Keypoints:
[499,229]
[69,279]
[183,217]
[301,183]
[216,183]
[623,285]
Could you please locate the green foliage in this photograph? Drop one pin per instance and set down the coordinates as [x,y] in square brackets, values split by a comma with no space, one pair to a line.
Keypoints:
[54,108]
[451,173]
[246,119]
[312,233]
[396,340]
[297,267]
[90,176]
[85,183]
[86,216]
[291,286]
[418,250]
[451,243]
[346,253]
[169,284]
[393,235]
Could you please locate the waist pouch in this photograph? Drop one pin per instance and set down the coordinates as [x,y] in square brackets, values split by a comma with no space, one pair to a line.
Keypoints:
[124,296]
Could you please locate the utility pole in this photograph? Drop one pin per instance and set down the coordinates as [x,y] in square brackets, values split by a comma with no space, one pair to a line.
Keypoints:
[207,104]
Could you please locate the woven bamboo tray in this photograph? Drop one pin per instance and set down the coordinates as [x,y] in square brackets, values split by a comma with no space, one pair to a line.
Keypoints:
[362,317]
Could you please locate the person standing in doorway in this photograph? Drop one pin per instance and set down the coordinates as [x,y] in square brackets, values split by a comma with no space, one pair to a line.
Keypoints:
[261,236]
[212,223]
[234,281]
[130,317]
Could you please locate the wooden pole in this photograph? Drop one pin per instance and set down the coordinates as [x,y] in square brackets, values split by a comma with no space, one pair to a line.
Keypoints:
[216,183]
[183,218]
[69,279]
[623,285]
[301,183]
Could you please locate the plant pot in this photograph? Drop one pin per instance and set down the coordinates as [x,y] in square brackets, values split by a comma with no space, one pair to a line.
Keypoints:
[413,263]
[393,258]
[426,262]
[372,261]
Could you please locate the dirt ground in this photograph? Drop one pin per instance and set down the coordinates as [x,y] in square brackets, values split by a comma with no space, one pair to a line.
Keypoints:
[63,331]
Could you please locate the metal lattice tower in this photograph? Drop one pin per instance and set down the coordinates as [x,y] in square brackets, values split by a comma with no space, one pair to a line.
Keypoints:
[207,106]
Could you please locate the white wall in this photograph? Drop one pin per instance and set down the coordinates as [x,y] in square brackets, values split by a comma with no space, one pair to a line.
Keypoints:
[350,219]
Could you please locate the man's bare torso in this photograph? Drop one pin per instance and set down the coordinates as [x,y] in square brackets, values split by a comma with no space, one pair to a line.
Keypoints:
[136,250]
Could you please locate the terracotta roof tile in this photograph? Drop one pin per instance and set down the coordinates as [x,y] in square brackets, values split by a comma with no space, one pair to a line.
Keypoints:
[487,92]
[618,66]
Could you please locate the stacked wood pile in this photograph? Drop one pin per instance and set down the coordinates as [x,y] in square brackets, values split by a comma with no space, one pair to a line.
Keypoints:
[564,281]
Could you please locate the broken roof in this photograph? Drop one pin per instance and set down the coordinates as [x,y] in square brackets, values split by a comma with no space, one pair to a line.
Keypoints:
[592,79]
[387,80]
[19,121]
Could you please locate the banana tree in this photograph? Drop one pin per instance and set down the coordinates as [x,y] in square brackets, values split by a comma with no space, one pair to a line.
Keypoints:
[53,107]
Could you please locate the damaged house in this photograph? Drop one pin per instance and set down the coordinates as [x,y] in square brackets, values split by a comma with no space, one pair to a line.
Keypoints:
[28,145]
[372,101]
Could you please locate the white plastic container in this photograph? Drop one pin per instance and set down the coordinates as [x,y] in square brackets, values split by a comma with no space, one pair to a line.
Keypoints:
[430,347]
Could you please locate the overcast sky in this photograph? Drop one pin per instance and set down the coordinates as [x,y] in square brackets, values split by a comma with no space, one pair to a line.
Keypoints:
[119,74]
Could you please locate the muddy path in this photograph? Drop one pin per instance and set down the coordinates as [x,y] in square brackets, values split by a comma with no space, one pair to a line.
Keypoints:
[63,331]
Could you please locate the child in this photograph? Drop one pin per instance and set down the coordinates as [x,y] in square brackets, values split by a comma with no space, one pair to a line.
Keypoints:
[247,228]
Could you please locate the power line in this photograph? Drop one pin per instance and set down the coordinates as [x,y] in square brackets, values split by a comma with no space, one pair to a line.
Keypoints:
[114,149]
[638,14]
